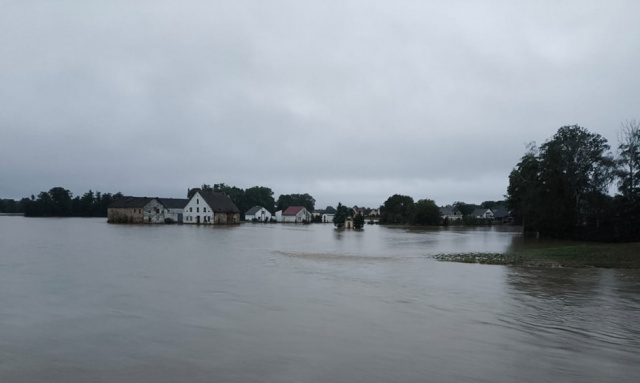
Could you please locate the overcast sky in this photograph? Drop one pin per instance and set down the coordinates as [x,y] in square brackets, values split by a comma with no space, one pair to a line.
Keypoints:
[349,101]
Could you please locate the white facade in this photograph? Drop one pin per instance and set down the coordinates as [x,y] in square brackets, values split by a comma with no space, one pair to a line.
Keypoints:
[327,218]
[261,215]
[301,216]
[198,211]
[176,215]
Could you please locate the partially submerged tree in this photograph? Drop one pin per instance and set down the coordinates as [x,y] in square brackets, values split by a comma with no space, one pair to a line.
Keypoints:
[341,215]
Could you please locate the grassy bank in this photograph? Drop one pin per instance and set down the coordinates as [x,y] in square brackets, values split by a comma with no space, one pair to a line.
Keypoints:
[622,256]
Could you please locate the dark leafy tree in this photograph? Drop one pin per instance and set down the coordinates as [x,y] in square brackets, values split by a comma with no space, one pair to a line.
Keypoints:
[286,200]
[426,212]
[464,208]
[560,190]
[397,209]
[358,221]
[341,215]
[259,196]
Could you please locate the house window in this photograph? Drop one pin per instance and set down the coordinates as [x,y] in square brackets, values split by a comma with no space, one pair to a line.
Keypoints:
[197,201]
[191,210]
[197,210]
[204,209]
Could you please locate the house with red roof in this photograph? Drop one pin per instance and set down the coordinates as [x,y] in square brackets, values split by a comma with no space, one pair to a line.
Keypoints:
[294,214]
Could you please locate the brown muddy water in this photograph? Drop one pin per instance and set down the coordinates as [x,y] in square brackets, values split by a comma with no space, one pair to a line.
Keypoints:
[85,301]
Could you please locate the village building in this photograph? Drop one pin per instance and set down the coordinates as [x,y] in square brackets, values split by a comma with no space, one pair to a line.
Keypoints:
[209,208]
[294,214]
[258,213]
[327,218]
[482,213]
[173,209]
[450,213]
[127,210]
[145,210]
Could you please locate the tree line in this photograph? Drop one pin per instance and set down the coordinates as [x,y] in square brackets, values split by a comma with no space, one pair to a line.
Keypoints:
[562,188]
[59,202]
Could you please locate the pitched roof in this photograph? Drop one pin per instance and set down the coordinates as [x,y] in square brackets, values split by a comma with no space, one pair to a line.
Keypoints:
[130,202]
[500,212]
[219,202]
[253,210]
[480,212]
[293,210]
[449,210]
[174,203]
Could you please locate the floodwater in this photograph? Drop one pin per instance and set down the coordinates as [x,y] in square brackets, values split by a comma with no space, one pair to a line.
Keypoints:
[85,301]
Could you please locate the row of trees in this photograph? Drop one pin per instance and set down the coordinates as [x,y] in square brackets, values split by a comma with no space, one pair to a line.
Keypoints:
[561,189]
[59,202]
[401,209]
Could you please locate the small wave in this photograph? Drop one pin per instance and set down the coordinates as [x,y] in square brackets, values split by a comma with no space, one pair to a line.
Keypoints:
[335,257]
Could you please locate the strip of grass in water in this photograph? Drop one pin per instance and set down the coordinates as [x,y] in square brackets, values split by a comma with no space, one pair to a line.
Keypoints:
[622,256]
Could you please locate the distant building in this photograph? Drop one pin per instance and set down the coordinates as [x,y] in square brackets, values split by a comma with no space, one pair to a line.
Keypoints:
[259,213]
[208,208]
[450,212]
[294,214]
[145,210]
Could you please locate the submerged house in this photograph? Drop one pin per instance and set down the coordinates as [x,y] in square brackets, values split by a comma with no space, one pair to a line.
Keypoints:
[173,209]
[259,213]
[145,210]
[207,207]
[482,213]
[294,214]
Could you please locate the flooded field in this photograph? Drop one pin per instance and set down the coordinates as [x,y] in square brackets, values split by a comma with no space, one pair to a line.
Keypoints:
[85,301]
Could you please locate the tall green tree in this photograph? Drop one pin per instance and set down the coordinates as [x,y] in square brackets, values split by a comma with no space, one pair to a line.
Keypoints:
[561,187]
[259,196]
[341,215]
[287,200]
[426,212]
[397,209]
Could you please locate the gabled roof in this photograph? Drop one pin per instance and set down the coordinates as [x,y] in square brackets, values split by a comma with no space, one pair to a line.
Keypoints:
[480,212]
[130,202]
[500,212]
[293,210]
[449,210]
[219,202]
[253,210]
[174,203]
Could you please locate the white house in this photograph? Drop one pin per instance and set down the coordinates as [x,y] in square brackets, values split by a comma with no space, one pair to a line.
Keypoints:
[295,214]
[327,218]
[482,213]
[259,213]
[209,208]
[173,209]
[451,213]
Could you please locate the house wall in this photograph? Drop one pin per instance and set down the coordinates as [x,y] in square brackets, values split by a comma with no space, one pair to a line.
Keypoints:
[301,216]
[153,212]
[226,218]
[197,211]
[260,215]
[174,214]
[326,218]
[125,215]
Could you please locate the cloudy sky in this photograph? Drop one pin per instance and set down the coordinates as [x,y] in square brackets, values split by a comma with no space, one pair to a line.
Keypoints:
[349,101]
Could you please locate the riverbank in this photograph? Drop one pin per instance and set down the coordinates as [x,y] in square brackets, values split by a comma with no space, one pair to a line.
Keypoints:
[619,256]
